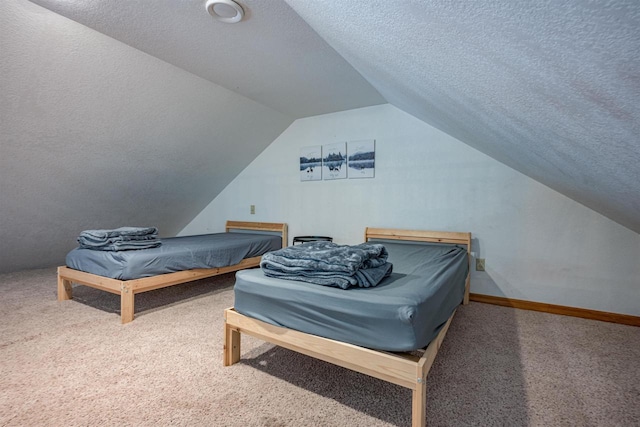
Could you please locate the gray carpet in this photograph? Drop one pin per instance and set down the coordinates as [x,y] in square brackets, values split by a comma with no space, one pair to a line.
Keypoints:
[73,363]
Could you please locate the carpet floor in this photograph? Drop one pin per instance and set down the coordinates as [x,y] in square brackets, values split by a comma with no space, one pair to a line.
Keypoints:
[72,363]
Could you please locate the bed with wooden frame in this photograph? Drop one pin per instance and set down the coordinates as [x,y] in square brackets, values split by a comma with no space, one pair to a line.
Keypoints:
[128,288]
[405,369]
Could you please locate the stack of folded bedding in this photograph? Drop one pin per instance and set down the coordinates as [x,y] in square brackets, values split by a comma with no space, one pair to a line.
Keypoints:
[120,239]
[329,264]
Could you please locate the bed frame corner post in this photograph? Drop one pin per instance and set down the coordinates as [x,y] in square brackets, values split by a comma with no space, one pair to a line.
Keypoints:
[419,399]
[467,283]
[285,236]
[65,291]
[231,349]
[467,287]
[126,302]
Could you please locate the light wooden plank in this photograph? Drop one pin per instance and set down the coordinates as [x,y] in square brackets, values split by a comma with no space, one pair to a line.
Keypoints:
[419,395]
[467,288]
[231,349]
[419,235]
[126,303]
[88,279]
[258,226]
[419,406]
[250,225]
[386,366]
[65,290]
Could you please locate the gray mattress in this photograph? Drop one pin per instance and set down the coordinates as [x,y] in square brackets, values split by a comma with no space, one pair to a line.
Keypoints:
[403,313]
[175,254]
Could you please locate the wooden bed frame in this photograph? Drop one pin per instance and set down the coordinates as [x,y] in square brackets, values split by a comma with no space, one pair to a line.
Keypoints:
[128,288]
[406,369]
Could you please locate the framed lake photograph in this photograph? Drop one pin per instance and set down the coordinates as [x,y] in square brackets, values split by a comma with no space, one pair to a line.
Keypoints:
[311,163]
[362,158]
[334,162]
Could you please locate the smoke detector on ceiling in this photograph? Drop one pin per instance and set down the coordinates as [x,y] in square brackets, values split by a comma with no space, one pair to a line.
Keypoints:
[227,11]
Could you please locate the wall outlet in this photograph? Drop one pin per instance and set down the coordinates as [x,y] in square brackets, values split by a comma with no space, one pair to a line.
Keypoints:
[479,264]
[253,209]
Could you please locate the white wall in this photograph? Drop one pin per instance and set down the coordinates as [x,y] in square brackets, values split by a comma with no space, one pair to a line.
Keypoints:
[538,244]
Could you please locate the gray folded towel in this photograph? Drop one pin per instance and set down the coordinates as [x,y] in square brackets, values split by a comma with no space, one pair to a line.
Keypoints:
[120,239]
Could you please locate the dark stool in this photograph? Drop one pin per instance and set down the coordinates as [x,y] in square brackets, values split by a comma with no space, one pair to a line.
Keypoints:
[305,239]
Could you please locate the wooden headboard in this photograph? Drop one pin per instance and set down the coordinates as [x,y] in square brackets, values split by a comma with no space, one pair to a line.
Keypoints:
[460,238]
[276,227]
[455,237]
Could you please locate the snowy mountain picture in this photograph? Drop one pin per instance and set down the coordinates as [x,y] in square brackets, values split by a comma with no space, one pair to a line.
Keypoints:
[361,161]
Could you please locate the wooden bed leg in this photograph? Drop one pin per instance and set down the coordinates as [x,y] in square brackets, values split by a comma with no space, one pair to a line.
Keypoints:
[126,303]
[419,404]
[467,286]
[65,291]
[231,345]
[419,395]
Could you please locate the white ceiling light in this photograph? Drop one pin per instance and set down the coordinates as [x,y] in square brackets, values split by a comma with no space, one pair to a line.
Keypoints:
[225,10]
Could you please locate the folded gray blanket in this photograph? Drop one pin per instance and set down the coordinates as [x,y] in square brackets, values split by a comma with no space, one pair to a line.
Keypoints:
[120,239]
[329,264]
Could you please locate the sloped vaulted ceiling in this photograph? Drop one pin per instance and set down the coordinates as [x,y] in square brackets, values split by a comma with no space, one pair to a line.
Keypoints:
[550,88]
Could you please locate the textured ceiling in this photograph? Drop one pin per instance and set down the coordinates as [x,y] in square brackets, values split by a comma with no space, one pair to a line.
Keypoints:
[272,56]
[549,88]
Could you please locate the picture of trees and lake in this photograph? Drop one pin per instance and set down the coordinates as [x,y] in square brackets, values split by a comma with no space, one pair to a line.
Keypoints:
[311,163]
[362,161]
[334,162]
